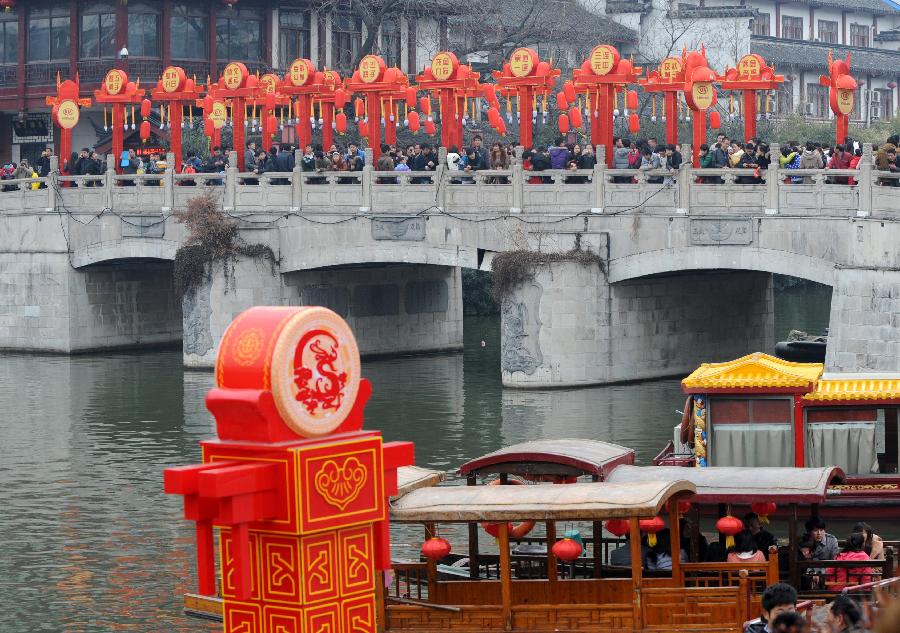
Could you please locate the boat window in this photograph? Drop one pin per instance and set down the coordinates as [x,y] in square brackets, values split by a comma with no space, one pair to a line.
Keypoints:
[751,432]
[856,440]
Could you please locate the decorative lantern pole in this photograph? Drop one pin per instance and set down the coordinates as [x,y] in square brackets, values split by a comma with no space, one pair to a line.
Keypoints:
[332,98]
[302,81]
[379,84]
[526,76]
[843,93]
[668,80]
[700,95]
[601,75]
[751,75]
[238,85]
[215,114]
[268,98]
[175,89]
[118,91]
[449,81]
[66,113]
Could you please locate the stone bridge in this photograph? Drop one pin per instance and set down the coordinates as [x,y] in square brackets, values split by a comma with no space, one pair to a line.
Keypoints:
[681,273]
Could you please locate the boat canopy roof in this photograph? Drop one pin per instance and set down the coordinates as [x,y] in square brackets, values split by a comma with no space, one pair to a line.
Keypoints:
[580,501]
[845,388]
[411,478]
[725,484]
[755,372]
[552,457]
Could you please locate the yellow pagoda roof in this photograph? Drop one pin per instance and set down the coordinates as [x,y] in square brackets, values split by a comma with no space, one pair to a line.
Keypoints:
[754,371]
[856,388]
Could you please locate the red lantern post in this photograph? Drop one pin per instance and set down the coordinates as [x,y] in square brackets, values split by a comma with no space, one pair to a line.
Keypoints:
[268,97]
[600,76]
[175,89]
[332,98]
[843,93]
[450,82]
[237,85]
[379,85]
[66,114]
[526,76]
[118,91]
[215,114]
[700,95]
[668,80]
[302,82]
[751,75]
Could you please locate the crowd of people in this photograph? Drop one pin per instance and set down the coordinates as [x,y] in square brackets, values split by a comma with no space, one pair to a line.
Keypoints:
[648,154]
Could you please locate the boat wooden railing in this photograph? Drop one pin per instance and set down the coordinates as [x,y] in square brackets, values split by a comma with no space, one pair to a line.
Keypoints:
[825,578]
[693,608]
[758,575]
[410,581]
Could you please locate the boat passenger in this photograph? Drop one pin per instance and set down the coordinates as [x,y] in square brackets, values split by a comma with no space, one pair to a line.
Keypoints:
[840,577]
[745,550]
[764,539]
[826,545]
[874,546]
[659,558]
[776,599]
[844,615]
[621,556]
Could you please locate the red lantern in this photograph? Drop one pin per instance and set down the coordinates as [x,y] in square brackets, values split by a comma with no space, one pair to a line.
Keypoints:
[436,548]
[764,509]
[494,117]
[651,527]
[145,108]
[715,120]
[340,98]
[414,121]
[340,122]
[891,84]
[575,117]
[561,102]
[634,123]
[359,107]
[543,69]
[425,104]
[563,123]
[683,506]
[489,92]
[411,97]
[7,4]
[617,527]
[272,123]
[729,526]
[430,129]
[145,131]
[569,91]
[631,100]
[566,550]
[208,128]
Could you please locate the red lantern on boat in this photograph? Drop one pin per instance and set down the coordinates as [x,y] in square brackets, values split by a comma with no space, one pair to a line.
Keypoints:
[436,548]
[729,526]
[683,506]
[617,527]
[566,550]
[764,509]
[651,527]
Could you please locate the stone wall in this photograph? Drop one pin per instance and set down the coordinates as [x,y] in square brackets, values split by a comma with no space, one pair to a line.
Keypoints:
[567,326]
[46,305]
[865,320]
[392,309]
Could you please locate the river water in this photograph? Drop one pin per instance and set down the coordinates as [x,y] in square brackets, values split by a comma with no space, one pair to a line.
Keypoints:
[88,542]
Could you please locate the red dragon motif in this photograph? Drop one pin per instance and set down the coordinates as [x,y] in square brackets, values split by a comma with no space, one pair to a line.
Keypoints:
[324,388]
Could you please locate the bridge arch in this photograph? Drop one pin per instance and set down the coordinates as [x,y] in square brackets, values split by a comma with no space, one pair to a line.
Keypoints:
[125,249]
[695,258]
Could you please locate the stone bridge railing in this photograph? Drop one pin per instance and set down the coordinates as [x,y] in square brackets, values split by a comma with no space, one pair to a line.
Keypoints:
[602,191]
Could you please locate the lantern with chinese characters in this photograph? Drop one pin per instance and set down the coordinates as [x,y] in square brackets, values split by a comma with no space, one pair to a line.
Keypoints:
[763,509]
[667,79]
[383,88]
[729,526]
[842,96]
[436,548]
[566,549]
[451,82]
[117,90]
[617,527]
[651,527]
[751,75]
[525,77]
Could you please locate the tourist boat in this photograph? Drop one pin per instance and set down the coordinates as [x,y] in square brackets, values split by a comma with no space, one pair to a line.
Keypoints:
[761,411]
[584,488]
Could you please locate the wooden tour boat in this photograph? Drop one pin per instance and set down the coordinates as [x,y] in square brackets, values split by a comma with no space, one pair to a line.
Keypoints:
[760,411]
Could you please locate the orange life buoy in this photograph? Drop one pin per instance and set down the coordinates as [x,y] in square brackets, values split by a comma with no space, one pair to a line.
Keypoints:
[515,530]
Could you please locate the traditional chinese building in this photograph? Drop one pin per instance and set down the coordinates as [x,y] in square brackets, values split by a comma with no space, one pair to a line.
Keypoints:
[40,39]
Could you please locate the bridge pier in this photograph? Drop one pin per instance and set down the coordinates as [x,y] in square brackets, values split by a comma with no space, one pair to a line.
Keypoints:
[392,308]
[568,327]
[864,328]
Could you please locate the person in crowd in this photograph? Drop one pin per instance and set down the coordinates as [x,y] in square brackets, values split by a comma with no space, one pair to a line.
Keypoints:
[308,160]
[650,161]
[528,165]
[707,162]
[761,536]
[620,158]
[250,157]
[499,160]
[840,159]
[763,160]
[96,167]
[481,153]
[673,157]
[634,158]
[659,557]
[355,158]
[587,159]
[155,166]
[216,164]
[873,545]
[540,161]
[854,164]
[745,549]
[886,160]
[385,163]
[844,615]
[190,165]
[789,622]
[23,172]
[559,155]
[720,152]
[621,556]
[776,599]
[790,159]
[811,578]
[401,163]
[262,162]
[825,545]
[839,577]
[322,164]
[811,158]
[653,145]
[43,165]
[284,161]
[425,160]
